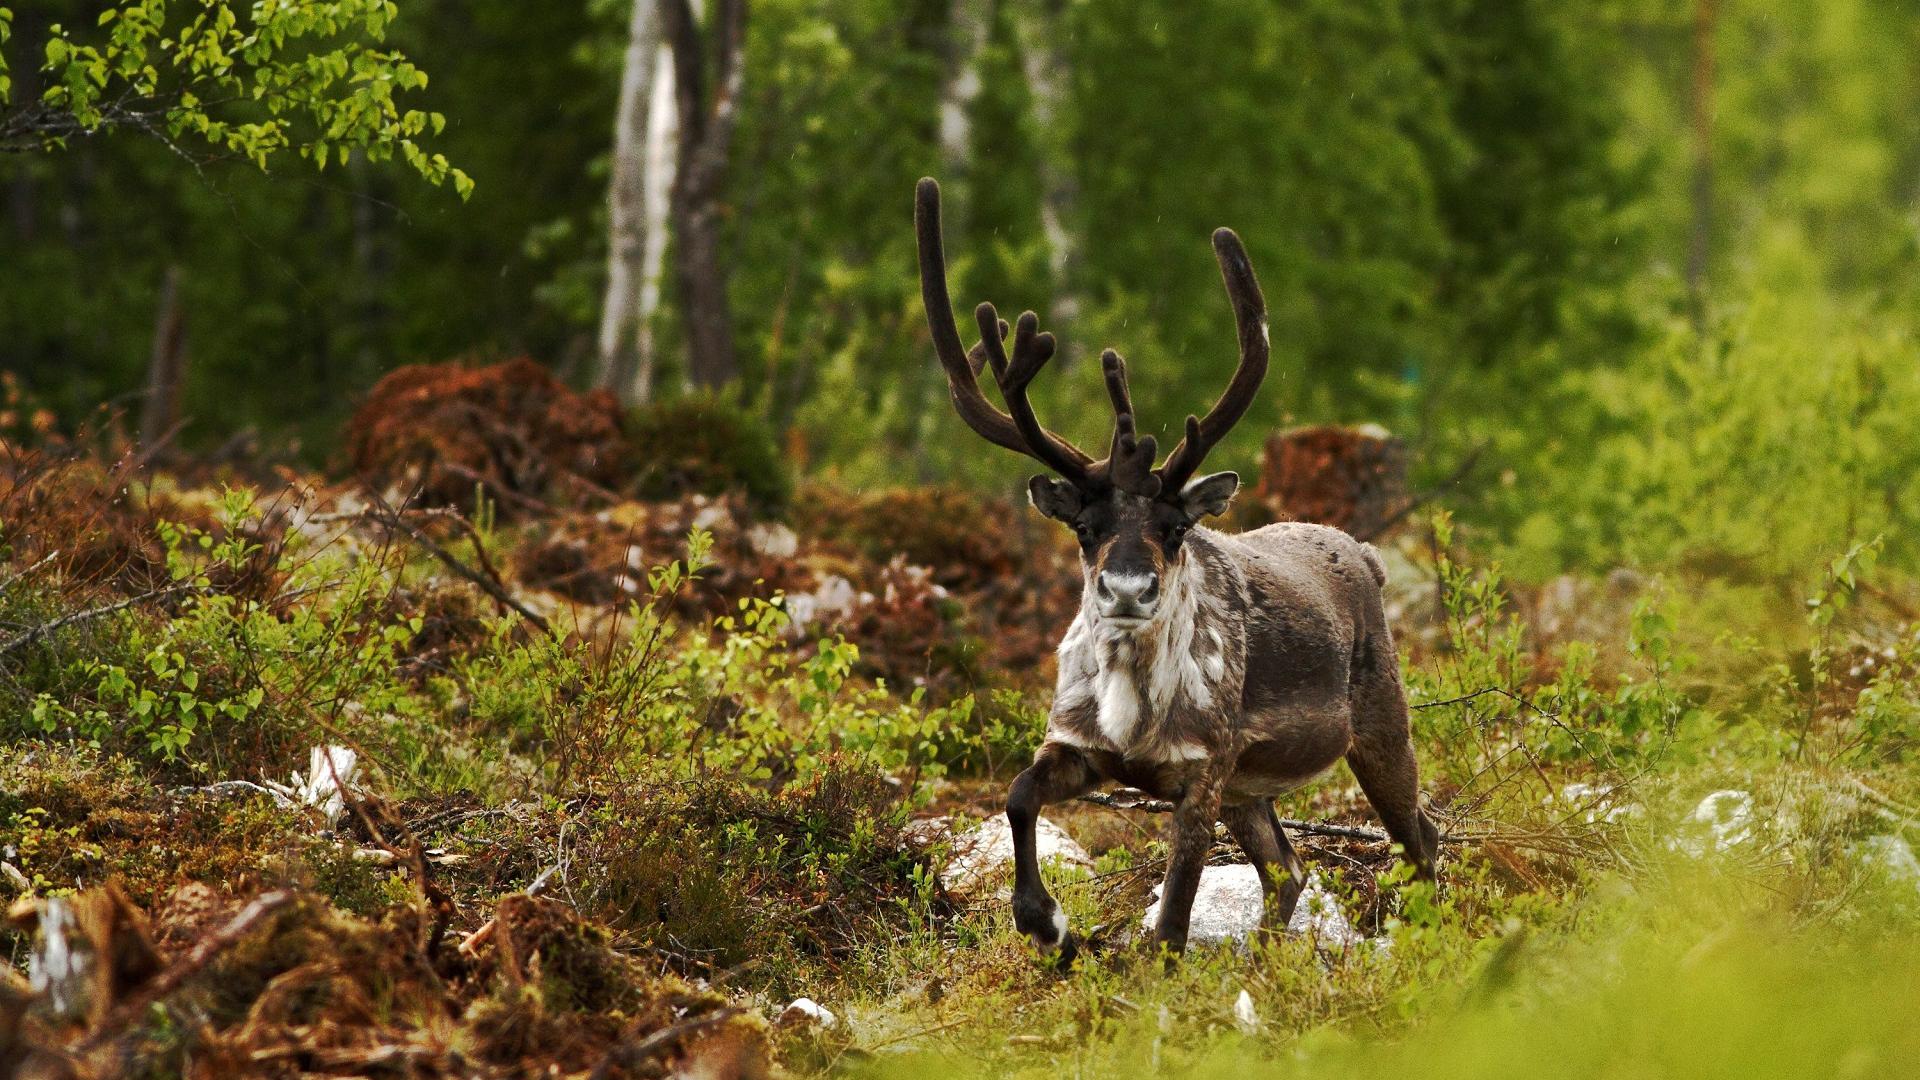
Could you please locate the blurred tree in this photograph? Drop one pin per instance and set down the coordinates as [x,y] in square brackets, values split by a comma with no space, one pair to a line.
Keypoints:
[300,289]
[620,366]
[708,92]
[1700,111]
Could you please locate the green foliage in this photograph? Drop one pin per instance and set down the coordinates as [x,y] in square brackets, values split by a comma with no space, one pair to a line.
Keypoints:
[707,446]
[314,285]
[228,680]
[740,701]
[1490,721]
[306,76]
[1755,457]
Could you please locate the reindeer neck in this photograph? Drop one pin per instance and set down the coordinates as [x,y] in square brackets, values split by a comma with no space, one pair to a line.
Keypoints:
[1143,674]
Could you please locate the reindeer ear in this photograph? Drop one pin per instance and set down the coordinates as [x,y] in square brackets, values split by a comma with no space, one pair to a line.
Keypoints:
[1057,499]
[1208,495]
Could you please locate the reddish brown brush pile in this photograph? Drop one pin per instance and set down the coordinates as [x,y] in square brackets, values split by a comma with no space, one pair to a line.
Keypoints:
[966,541]
[932,584]
[286,986]
[510,429]
[1351,478]
[95,527]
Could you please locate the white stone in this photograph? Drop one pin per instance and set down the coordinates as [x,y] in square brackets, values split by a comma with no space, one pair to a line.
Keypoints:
[1229,905]
[1318,916]
[1893,855]
[981,854]
[1722,820]
[804,1010]
[711,516]
[834,596]
[1244,1016]
[772,540]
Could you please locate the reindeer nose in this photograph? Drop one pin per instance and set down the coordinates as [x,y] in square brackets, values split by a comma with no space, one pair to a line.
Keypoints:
[1129,594]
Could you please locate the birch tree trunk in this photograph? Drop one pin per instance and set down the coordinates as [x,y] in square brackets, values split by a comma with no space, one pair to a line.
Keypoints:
[967,39]
[627,219]
[1043,65]
[663,157]
[707,114]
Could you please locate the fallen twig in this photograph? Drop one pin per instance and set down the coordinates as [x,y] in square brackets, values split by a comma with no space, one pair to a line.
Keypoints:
[627,1055]
[1884,802]
[1129,799]
[203,953]
[392,519]
[224,788]
[21,575]
[473,941]
[89,614]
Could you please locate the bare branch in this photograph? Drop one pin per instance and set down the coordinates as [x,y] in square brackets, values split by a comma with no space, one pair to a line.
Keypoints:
[89,614]
[1129,799]
[204,952]
[392,519]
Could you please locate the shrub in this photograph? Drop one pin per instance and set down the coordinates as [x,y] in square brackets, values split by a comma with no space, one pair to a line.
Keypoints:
[709,446]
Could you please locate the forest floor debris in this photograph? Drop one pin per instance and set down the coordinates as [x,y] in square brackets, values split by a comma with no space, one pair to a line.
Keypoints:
[285,984]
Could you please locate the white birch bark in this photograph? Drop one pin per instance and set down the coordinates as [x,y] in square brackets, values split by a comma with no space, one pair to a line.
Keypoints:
[628,190]
[1044,69]
[662,159]
[972,21]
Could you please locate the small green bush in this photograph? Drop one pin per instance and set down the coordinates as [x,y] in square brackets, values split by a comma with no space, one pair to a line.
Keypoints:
[706,446]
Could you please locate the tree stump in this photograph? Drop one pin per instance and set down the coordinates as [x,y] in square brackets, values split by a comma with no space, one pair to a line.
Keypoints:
[1353,478]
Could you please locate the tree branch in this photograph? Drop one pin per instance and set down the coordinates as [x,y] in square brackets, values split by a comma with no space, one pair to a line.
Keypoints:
[1129,799]
[89,614]
[202,954]
[392,519]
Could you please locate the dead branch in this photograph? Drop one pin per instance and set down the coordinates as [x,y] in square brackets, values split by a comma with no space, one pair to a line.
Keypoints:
[625,1056]
[29,571]
[1466,467]
[1483,692]
[204,952]
[1129,799]
[392,519]
[473,941]
[89,614]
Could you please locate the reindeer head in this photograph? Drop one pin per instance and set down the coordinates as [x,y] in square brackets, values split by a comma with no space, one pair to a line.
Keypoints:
[1131,517]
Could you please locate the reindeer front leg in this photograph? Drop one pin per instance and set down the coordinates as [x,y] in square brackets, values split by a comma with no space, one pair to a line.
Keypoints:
[1058,773]
[1192,835]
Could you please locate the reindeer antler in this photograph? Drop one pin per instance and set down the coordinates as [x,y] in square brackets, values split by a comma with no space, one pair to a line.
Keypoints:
[1129,463]
[1023,434]
[1250,317]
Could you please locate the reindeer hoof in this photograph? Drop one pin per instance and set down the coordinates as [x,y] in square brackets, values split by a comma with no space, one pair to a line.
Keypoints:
[1061,957]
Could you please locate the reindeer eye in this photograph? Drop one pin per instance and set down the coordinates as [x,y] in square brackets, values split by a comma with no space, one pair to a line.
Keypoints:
[1082,529]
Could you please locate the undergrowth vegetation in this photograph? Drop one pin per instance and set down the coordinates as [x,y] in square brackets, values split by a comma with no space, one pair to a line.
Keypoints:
[705,772]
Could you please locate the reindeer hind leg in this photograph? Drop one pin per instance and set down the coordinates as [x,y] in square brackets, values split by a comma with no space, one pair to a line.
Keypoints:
[1381,758]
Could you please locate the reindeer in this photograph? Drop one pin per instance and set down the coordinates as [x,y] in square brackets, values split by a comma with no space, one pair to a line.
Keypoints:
[1212,670]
